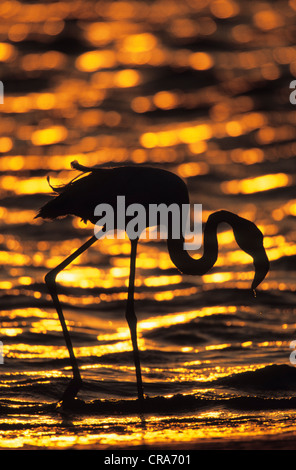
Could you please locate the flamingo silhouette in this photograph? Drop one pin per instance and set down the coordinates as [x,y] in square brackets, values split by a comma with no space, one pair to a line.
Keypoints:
[142,185]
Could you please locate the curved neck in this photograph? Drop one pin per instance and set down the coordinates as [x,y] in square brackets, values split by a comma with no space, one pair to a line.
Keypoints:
[188,265]
[247,235]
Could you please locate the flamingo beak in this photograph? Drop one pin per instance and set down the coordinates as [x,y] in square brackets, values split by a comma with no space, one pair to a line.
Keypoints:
[261,264]
[250,239]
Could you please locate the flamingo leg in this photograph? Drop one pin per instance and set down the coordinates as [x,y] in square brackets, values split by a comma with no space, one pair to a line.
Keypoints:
[132,319]
[50,279]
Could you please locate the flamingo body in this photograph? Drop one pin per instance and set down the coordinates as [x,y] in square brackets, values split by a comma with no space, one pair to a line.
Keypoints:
[140,185]
[145,186]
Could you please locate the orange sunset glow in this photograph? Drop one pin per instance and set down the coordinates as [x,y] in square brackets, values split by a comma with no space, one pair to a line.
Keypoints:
[198,88]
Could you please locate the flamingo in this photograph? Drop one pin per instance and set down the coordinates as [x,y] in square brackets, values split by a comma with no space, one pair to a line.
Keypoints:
[142,185]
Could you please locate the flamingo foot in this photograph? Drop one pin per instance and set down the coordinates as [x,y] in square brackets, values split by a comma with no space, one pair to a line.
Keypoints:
[69,399]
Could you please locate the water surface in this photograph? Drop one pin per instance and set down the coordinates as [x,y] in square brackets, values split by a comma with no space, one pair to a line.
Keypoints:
[200,88]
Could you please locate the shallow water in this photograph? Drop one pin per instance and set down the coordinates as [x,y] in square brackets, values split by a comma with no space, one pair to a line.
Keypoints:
[201,89]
